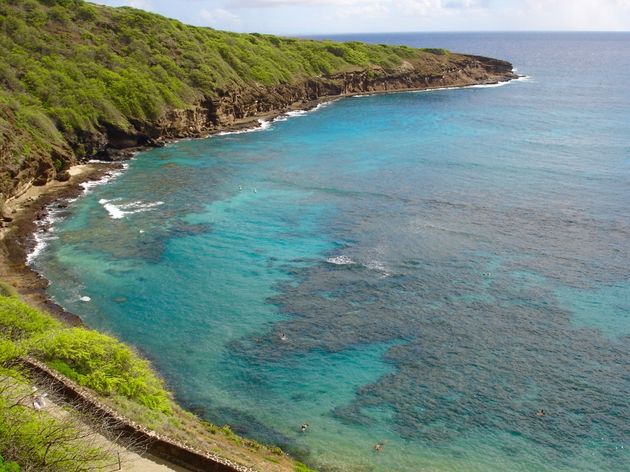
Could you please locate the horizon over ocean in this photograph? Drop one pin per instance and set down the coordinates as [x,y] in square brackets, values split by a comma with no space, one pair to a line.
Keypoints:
[426,270]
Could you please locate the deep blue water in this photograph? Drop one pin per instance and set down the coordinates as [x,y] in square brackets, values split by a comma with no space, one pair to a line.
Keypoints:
[423,269]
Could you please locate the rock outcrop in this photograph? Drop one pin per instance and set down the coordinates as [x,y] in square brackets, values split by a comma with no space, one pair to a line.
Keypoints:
[239,106]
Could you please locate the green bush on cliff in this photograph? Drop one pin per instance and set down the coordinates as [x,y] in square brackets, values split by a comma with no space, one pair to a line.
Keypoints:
[8,466]
[92,359]
[18,321]
[105,365]
[44,440]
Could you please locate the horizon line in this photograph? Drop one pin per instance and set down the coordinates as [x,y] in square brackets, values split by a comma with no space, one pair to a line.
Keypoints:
[455,31]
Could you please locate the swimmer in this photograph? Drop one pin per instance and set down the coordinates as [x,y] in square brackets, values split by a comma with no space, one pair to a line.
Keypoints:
[283,337]
[378,447]
[304,427]
[540,413]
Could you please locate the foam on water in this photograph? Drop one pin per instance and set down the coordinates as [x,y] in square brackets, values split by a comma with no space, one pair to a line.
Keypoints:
[120,210]
[340,260]
[263,125]
[41,237]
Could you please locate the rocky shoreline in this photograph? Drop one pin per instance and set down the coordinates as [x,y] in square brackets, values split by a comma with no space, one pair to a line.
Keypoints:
[16,237]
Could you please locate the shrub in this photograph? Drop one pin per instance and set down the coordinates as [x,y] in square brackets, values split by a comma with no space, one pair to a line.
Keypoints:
[18,321]
[8,466]
[102,363]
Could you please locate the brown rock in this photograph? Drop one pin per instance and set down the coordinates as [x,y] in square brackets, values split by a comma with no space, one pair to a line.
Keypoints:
[63,176]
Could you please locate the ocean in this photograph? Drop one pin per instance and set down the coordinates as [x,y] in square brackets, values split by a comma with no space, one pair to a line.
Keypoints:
[423,270]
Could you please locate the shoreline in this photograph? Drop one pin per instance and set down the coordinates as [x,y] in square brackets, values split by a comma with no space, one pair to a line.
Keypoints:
[27,212]
[34,203]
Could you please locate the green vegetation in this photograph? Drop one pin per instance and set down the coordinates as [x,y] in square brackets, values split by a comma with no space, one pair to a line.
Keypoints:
[70,69]
[114,372]
[91,359]
[31,440]
[36,441]
[105,365]
[8,466]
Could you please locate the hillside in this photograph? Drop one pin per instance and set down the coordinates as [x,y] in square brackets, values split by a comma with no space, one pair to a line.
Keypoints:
[78,80]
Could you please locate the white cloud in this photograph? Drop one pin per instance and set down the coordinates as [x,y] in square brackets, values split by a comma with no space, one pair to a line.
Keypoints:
[142,4]
[578,14]
[219,18]
[291,3]
[373,9]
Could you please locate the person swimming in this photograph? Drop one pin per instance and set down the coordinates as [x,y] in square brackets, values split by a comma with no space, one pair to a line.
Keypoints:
[283,337]
[540,413]
[378,447]
[304,427]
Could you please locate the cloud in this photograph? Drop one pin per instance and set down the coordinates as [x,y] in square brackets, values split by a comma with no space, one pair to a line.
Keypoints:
[291,3]
[579,14]
[219,17]
[142,4]
[373,9]
[464,4]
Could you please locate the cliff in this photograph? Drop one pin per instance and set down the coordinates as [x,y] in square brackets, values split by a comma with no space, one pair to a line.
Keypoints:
[80,81]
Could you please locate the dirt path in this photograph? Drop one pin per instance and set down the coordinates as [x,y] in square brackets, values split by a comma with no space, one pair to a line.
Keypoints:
[128,460]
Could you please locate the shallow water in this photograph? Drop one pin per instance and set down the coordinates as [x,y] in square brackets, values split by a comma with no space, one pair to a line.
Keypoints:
[423,269]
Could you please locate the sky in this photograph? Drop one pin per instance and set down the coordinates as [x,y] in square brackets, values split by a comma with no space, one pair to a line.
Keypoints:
[360,16]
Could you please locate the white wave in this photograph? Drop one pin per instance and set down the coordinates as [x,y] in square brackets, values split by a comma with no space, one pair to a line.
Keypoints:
[522,78]
[46,226]
[88,185]
[40,243]
[119,211]
[85,298]
[264,125]
[297,113]
[340,260]
[44,234]
[499,84]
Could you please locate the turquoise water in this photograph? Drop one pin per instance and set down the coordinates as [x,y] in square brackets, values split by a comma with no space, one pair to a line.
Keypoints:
[426,270]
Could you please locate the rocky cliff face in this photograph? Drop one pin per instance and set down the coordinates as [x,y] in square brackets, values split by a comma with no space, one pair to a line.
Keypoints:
[240,107]
[234,106]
